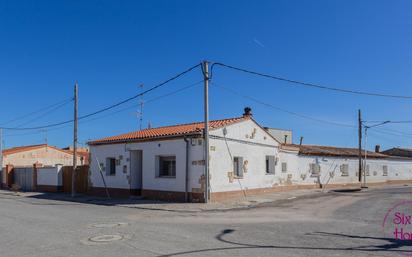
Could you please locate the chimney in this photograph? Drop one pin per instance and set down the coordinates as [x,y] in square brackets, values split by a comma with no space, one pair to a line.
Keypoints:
[377,148]
[248,112]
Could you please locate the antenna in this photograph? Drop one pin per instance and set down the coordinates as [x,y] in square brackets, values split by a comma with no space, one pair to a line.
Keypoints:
[141,104]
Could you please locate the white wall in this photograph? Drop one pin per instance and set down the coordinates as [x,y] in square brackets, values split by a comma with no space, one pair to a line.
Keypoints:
[247,140]
[298,167]
[151,149]
[50,176]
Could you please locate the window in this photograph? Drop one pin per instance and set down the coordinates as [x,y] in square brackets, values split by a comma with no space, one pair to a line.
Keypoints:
[238,166]
[344,169]
[367,170]
[314,169]
[270,164]
[110,166]
[284,166]
[167,166]
[385,170]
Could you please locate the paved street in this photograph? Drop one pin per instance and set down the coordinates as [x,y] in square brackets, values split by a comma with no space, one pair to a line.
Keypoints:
[325,224]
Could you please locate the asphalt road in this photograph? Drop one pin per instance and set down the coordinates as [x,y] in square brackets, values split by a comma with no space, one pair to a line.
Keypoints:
[330,224]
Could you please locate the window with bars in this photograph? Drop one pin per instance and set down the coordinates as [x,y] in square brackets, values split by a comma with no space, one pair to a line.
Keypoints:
[238,166]
[110,166]
[314,169]
[270,164]
[344,169]
[385,170]
[167,166]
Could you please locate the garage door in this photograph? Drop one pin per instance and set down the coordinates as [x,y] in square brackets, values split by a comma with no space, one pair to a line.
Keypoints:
[23,177]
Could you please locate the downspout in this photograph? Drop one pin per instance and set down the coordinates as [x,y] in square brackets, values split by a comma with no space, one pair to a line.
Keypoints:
[187,171]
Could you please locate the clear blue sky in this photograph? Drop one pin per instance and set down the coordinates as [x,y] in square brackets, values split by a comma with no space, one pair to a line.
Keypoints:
[110,47]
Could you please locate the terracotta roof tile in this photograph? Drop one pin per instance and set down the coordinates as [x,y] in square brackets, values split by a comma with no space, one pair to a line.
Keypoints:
[167,131]
[330,151]
[29,148]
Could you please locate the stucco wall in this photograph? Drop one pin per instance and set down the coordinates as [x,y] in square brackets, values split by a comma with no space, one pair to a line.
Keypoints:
[298,168]
[253,144]
[50,176]
[176,147]
[47,156]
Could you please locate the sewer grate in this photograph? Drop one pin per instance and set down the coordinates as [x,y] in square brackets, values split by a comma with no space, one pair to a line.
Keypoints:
[109,225]
[105,238]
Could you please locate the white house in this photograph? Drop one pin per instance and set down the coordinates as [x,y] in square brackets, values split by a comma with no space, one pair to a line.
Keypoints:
[326,166]
[168,162]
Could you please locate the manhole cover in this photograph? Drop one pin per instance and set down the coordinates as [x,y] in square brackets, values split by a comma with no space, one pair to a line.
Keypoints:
[109,225]
[105,238]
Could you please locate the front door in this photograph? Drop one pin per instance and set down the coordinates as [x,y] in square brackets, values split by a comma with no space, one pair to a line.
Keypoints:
[136,171]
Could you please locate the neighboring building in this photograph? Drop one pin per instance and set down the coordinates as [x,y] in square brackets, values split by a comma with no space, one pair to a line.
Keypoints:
[168,162]
[397,151]
[43,155]
[83,152]
[281,135]
[337,166]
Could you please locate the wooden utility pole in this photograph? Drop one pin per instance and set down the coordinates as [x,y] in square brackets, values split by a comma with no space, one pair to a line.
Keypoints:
[205,70]
[74,142]
[360,144]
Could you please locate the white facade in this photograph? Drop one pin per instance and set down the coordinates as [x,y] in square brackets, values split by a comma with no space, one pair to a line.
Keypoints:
[333,171]
[238,146]
[50,176]
[126,175]
[246,139]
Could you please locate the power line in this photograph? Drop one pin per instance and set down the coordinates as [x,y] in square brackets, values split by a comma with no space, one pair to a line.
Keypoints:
[281,109]
[312,85]
[109,107]
[113,113]
[44,114]
[37,111]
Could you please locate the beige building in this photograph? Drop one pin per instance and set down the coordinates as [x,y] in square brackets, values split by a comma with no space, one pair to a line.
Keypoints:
[43,155]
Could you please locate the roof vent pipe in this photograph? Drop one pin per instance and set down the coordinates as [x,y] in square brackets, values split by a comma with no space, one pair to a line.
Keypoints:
[248,112]
[377,148]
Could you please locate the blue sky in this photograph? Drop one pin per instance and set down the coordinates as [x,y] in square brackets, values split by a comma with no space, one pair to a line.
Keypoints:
[111,47]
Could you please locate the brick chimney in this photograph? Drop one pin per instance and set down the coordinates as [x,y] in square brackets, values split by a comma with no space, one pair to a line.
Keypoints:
[377,148]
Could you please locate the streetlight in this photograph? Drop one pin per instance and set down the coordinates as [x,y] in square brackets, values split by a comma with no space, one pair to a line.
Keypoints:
[366,152]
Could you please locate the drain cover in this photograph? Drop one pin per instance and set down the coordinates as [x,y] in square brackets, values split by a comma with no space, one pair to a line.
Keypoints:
[105,238]
[109,225]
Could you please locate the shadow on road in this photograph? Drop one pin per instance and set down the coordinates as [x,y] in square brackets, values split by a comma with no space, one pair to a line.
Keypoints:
[391,245]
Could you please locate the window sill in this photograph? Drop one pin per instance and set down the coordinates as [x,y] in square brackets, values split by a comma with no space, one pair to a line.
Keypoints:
[269,173]
[166,177]
[236,177]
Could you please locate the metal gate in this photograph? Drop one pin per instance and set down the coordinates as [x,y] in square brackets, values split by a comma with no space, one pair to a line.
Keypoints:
[23,178]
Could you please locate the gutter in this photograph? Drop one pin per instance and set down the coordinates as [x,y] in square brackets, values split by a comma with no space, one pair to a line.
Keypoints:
[187,170]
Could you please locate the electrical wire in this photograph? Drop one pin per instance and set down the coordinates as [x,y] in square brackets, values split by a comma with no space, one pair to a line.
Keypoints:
[109,107]
[44,114]
[112,113]
[307,84]
[37,111]
[281,109]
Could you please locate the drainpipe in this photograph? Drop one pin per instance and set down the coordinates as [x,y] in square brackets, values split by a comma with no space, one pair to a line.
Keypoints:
[187,170]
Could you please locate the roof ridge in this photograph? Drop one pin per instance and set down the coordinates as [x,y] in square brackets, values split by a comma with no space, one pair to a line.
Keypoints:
[187,124]
[170,130]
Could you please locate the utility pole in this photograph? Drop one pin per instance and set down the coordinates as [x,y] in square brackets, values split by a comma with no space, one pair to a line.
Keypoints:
[360,144]
[205,70]
[74,142]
